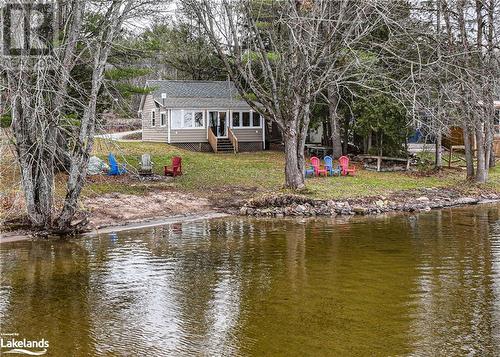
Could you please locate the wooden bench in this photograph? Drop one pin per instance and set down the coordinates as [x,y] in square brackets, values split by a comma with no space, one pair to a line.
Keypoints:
[317,150]
[458,159]
[386,158]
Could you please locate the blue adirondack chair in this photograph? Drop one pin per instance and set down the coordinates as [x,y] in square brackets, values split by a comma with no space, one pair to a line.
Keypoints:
[114,167]
[309,170]
[329,166]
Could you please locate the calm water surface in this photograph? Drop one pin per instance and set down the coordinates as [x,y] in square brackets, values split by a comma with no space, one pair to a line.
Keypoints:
[425,285]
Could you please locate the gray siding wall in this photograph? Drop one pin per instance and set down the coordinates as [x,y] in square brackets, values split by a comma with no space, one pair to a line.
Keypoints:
[248,134]
[188,135]
[198,135]
[150,133]
[160,133]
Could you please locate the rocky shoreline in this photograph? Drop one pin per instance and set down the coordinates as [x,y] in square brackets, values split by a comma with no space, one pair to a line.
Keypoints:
[276,205]
[280,206]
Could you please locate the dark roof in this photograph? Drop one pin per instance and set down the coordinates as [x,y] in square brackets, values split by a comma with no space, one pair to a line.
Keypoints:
[197,94]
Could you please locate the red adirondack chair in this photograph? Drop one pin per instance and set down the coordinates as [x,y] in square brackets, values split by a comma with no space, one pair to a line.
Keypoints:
[344,164]
[318,169]
[175,169]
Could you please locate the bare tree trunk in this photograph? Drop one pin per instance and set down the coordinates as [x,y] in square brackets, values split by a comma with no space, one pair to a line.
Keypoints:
[294,135]
[85,140]
[294,178]
[481,170]
[488,141]
[333,102]
[302,137]
[439,156]
[345,143]
[492,155]
[35,146]
[325,139]
[491,40]
[469,160]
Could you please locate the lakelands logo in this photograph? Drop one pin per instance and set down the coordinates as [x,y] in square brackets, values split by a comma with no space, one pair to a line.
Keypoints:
[23,346]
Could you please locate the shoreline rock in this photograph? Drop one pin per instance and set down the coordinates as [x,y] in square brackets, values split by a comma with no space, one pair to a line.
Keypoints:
[411,201]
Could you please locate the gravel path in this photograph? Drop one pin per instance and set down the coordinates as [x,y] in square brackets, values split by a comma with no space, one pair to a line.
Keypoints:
[118,136]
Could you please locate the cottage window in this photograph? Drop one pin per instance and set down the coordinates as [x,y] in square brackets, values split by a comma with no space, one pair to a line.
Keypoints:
[246,119]
[255,119]
[187,119]
[198,119]
[163,119]
[176,119]
[236,119]
[153,118]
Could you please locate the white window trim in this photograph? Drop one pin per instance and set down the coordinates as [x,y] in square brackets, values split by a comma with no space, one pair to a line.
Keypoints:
[153,118]
[169,121]
[191,127]
[241,120]
[263,132]
[228,117]
[166,119]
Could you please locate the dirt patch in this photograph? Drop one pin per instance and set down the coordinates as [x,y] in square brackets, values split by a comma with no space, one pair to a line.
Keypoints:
[229,198]
[129,179]
[117,208]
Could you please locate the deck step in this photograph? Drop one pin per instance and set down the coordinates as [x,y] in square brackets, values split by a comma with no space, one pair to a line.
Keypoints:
[224,146]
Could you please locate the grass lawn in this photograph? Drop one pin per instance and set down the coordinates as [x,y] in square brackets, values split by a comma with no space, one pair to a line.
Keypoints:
[249,174]
[228,178]
[205,174]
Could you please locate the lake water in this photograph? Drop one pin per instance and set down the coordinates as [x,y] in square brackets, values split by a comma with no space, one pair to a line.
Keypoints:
[422,285]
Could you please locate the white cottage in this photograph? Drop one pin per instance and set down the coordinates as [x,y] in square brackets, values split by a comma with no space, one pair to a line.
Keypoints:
[200,116]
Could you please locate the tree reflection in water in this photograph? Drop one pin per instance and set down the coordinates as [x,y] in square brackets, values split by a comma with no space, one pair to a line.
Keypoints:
[426,284]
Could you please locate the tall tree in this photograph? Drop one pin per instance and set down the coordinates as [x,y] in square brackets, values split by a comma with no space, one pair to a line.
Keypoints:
[41,90]
[468,74]
[185,48]
[280,69]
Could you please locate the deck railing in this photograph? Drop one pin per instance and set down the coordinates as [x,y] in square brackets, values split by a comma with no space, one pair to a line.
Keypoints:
[212,139]
[234,139]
